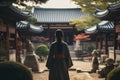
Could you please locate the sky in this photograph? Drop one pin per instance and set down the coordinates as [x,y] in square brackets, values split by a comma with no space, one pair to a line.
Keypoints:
[59,4]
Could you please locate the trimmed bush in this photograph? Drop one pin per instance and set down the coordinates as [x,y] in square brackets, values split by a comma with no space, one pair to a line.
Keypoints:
[14,71]
[114,74]
[42,50]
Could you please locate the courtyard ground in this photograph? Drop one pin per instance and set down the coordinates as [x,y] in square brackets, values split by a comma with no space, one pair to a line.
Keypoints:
[84,66]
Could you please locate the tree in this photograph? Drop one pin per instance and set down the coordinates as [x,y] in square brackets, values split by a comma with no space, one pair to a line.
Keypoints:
[9,2]
[84,22]
[89,6]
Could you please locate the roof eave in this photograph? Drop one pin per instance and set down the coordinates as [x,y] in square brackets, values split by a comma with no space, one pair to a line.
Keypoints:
[114,6]
[109,13]
[52,22]
[101,14]
[12,14]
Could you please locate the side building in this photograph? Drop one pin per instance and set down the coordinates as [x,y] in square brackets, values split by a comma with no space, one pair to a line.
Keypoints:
[9,42]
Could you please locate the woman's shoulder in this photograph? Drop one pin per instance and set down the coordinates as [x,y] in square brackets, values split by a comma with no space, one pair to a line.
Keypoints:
[64,44]
[53,43]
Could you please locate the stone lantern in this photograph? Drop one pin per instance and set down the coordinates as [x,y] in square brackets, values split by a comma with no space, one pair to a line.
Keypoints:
[31,59]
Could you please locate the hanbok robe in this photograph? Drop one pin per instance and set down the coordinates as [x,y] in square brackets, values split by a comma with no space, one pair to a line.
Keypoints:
[59,63]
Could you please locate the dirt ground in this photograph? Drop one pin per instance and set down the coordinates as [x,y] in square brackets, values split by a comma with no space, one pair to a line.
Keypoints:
[73,76]
[80,65]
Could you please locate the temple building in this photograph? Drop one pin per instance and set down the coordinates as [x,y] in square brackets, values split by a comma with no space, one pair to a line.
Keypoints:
[57,18]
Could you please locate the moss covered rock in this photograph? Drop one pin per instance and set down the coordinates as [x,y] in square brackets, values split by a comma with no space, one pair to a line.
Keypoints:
[14,71]
[114,74]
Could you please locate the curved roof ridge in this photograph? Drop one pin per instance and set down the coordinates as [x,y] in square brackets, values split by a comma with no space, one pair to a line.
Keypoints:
[55,8]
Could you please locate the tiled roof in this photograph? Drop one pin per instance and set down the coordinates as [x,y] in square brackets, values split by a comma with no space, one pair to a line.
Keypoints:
[53,15]
[13,14]
[90,30]
[114,6]
[24,26]
[20,26]
[112,13]
[106,26]
[103,26]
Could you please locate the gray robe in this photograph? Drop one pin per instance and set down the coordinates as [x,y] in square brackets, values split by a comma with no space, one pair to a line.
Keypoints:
[58,67]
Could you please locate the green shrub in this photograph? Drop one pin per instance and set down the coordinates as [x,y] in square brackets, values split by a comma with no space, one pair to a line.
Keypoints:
[14,71]
[114,74]
[42,50]
[2,51]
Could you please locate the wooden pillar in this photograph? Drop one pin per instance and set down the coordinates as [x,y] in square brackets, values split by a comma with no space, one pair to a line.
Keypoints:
[48,33]
[115,46]
[106,44]
[115,42]
[7,41]
[98,46]
[73,33]
[1,32]
[101,42]
[96,42]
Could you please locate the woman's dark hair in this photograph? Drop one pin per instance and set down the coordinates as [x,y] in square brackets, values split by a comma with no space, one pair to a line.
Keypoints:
[59,34]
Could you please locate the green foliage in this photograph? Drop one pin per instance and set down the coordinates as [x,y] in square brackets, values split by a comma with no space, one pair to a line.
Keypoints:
[14,71]
[32,19]
[42,50]
[9,2]
[114,74]
[84,22]
[90,5]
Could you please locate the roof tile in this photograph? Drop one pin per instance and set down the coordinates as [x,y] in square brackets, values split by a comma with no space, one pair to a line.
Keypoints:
[53,15]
